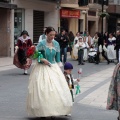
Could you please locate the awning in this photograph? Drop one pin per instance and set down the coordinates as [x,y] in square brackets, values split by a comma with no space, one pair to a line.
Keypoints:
[7,5]
[74,6]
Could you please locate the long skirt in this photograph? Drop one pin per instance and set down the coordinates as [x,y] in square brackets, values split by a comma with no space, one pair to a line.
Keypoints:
[111,53]
[20,60]
[85,55]
[48,92]
[113,100]
[74,53]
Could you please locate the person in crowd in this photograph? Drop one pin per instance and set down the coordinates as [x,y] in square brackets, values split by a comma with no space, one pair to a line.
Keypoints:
[113,99]
[89,39]
[68,67]
[95,41]
[63,41]
[56,35]
[117,45]
[101,48]
[71,40]
[48,92]
[77,36]
[106,36]
[75,51]
[81,47]
[111,53]
[43,36]
[85,55]
[20,58]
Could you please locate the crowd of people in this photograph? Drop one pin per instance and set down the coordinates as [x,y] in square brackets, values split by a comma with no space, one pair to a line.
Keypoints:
[50,91]
[83,47]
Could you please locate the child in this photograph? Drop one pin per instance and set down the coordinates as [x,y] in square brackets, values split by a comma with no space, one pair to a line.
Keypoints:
[68,67]
[81,47]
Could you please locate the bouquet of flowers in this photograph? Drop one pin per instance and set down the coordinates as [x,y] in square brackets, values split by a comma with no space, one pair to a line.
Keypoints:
[32,53]
[78,86]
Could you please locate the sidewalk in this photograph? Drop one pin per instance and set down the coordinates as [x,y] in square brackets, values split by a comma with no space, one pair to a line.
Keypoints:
[6,63]
[95,87]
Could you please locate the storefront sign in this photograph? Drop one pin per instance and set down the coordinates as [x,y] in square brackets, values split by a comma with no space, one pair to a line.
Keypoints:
[70,13]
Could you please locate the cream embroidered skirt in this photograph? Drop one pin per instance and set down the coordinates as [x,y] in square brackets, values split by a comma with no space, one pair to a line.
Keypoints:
[48,92]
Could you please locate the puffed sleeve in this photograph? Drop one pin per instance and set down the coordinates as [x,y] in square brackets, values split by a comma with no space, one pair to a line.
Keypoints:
[57,56]
[41,47]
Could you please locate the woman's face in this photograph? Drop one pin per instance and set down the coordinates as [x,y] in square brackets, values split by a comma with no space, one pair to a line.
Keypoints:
[24,36]
[51,35]
[110,35]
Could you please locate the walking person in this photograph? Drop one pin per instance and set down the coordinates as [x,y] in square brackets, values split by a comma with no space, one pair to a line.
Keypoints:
[63,41]
[111,53]
[101,49]
[68,67]
[71,40]
[117,46]
[48,92]
[20,58]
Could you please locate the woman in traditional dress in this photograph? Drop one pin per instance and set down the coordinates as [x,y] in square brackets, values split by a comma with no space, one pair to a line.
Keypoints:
[113,100]
[111,53]
[20,58]
[48,92]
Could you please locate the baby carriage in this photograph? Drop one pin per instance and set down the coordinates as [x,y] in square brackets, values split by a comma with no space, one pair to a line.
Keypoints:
[92,55]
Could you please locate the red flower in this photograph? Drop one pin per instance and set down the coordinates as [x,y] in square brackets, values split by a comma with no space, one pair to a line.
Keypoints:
[30,51]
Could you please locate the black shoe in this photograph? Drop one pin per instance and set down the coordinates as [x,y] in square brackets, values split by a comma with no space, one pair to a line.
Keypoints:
[25,74]
[83,64]
[96,62]
[108,62]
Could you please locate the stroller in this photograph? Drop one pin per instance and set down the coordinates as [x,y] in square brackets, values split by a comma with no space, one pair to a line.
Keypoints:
[92,55]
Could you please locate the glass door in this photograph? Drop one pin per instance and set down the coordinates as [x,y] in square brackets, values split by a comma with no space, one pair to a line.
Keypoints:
[19,20]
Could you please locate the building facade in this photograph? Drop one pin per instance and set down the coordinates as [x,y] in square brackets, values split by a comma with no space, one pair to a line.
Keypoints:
[32,16]
[114,12]
[5,27]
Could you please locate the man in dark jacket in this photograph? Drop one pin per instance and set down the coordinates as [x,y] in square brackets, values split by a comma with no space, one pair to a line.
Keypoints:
[117,47]
[63,41]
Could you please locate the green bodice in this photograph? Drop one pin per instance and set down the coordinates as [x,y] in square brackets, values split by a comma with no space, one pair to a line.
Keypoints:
[51,54]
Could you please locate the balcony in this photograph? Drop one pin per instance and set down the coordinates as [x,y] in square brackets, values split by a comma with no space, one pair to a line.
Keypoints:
[7,4]
[114,2]
[5,1]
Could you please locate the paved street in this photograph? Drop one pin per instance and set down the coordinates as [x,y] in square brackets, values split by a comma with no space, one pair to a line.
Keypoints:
[89,104]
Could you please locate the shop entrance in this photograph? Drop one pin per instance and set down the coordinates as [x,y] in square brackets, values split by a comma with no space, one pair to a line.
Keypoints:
[91,27]
[64,24]
[38,25]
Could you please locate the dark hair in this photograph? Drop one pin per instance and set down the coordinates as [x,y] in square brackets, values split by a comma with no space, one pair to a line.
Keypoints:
[49,29]
[24,32]
[63,30]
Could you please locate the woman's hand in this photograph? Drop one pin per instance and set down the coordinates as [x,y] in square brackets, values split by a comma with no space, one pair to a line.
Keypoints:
[46,62]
